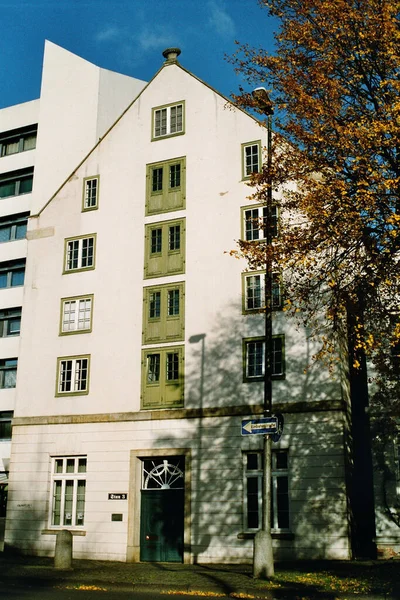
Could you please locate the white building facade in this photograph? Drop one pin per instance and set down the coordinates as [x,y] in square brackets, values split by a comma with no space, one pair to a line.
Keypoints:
[141,347]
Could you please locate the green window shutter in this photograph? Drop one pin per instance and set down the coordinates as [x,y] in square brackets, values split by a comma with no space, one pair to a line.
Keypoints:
[169,324]
[151,382]
[166,186]
[164,248]
[175,312]
[163,377]
[175,251]
[173,395]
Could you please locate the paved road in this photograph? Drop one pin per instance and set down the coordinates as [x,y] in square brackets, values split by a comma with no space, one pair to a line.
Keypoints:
[12,592]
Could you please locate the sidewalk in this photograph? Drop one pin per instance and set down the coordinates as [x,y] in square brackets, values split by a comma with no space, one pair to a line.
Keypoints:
[234,581]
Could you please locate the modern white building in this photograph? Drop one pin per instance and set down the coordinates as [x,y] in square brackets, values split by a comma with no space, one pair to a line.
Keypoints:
[78,103]
[142,340]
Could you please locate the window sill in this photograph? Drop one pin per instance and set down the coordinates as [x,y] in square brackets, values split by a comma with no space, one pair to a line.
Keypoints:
[276,535]
[258,379]
[166,136]
[55,531]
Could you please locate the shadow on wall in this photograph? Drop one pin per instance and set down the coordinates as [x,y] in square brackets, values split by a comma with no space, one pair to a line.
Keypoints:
[26,522]
[315,443]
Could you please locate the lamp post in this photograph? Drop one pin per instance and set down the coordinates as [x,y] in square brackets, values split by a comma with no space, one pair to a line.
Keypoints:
[263,560]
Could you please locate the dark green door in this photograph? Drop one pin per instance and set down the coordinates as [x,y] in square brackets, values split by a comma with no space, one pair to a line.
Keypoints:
[161,525]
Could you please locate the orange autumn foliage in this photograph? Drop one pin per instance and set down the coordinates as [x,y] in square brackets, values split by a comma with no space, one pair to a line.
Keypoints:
[334,81]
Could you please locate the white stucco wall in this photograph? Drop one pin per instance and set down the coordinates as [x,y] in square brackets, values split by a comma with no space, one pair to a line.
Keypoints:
[214,195]
[18,115]
[316,471]
[78,103]
[213,287]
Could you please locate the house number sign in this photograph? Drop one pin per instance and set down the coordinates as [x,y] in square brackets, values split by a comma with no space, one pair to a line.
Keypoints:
[118,496]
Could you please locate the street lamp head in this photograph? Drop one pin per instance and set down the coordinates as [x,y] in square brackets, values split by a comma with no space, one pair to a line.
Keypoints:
[263,100]
[195,339]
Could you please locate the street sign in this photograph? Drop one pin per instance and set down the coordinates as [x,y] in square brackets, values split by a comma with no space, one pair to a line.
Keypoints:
[277,436]
[117,496]
[259,426]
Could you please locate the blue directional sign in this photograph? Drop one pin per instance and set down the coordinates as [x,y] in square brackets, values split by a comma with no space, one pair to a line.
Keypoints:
[277,436]
[260,426]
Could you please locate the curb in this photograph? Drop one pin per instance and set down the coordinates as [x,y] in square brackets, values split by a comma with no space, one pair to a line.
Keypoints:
[245,593]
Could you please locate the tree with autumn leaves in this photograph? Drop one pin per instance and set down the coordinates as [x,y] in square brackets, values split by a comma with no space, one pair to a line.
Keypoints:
[334,82]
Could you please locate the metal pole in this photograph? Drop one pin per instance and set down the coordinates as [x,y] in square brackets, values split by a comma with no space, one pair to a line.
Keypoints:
[263,564]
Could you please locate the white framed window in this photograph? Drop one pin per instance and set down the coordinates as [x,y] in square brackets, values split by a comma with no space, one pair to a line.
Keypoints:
[10,322]
[90,193]
[18,140]
[168,120]
[79,253]
[253,479]
[254,223]
[8,373]
[73,375]
[68,488]
[76,314]
[251,158]
[254,358]
[254,292]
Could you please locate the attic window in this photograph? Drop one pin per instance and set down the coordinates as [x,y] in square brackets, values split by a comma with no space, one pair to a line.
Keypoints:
[168,120]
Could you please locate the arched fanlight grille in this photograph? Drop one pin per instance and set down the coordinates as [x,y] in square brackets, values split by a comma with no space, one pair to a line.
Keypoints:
[163,474]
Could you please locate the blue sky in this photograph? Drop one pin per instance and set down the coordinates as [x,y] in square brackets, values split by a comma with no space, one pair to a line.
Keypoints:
[127,36]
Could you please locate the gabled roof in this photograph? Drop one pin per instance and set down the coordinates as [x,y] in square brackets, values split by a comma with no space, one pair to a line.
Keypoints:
[167,63]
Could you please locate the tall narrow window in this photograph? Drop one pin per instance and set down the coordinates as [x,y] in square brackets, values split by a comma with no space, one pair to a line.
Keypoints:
[153,368]
[168,120]
[155,305]
[156,241]
[76,314]
[175,176]
[73,375]
[172,366]
[251,159]
[90,193]
[173,303]
[253,478]
[174,237]
[255,292]
[68,491]
[157,179]
[79,253]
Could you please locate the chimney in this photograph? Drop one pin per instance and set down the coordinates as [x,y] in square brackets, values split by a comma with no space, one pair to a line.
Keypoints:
[171,54]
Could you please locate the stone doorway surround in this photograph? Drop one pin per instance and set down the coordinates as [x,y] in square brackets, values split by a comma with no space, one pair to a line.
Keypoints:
[134,499]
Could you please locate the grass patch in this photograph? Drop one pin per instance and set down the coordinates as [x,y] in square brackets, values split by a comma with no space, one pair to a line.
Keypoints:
[350,577]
